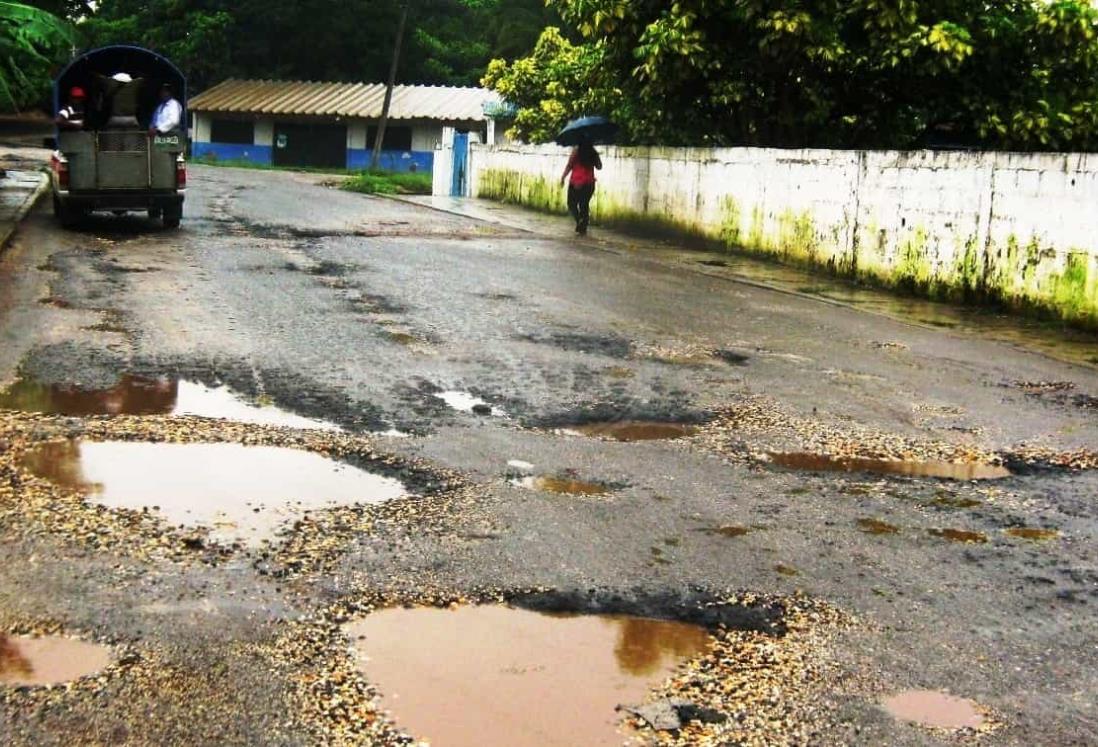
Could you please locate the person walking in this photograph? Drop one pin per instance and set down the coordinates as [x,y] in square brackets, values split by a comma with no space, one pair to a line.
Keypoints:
[581,186]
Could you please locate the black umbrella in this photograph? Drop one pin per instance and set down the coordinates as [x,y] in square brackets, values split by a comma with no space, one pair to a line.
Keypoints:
[591,130]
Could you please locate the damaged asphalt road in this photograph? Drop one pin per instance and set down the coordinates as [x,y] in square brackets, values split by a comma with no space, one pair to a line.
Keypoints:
[489,372]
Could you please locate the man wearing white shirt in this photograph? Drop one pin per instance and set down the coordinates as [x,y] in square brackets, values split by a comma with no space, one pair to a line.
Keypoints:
[167,115]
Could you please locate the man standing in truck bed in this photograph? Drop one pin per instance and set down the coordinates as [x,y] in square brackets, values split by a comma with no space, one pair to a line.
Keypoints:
[168,114]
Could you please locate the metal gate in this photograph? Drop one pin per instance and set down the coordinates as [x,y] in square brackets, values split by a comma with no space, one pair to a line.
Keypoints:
[461,163]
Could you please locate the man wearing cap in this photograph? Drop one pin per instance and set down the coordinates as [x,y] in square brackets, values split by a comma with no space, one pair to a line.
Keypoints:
[167,115]
[71,117]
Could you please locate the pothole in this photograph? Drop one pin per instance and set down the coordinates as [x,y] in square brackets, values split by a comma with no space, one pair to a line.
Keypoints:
[876,526]
[562,485]
[240,493]
[1032,533]
[934,709]
[135,395]
[466,402]
[633,430]
[462,677]
[731,531]
[959,535]
[29,661]
[808,462]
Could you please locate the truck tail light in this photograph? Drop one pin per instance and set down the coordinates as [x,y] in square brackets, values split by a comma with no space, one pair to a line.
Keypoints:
[61,168]
[180,174]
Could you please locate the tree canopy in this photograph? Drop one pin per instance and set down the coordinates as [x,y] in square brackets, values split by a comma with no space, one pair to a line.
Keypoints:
[1019,74]
[448,41]
[32,42]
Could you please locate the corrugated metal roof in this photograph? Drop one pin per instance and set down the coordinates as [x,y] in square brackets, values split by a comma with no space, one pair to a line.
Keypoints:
[307,98]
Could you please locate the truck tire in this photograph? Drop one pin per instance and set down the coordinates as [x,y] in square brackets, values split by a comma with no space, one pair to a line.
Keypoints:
[65,215]
[172,216]
[155,213]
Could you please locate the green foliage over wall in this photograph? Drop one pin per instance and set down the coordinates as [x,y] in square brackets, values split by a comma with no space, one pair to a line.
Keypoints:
[1007,74]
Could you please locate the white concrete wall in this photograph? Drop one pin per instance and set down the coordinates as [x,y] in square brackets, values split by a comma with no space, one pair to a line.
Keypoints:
[1018,228]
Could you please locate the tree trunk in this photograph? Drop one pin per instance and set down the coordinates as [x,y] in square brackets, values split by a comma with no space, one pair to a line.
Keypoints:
[389,90]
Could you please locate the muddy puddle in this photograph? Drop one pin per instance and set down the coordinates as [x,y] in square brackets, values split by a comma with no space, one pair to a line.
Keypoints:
[959,535]
[633,430]
[808,462]
[48,660]
[876,526]
[241,493]
[562,485]
[466,402]
[934,709]
[1032,533]
[135,395]
[475,676]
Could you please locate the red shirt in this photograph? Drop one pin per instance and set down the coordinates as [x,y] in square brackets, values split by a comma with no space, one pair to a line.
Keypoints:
[582,174]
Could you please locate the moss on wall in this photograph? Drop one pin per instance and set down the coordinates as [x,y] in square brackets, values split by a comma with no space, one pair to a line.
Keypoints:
[1025,277]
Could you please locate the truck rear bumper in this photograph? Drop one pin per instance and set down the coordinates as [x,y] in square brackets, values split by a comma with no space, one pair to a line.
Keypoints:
[117,200]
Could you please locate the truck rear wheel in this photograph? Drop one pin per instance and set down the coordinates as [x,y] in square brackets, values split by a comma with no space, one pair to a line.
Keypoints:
[155,213]
[65,214]
[172,216]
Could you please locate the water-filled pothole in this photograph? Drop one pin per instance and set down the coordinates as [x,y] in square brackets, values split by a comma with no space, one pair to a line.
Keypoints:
[942,470]
[466,676]
[562,485]
[876,526]
[960,535]
[634,430]
[135,395]
[241,493]
[1033,533]
[934,709]
[466,402]
[48,660]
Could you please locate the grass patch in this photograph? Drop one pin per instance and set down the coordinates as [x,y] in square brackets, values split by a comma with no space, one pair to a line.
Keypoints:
[389,183]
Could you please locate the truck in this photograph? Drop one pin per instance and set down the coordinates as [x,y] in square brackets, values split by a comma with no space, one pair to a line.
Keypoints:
[111,162]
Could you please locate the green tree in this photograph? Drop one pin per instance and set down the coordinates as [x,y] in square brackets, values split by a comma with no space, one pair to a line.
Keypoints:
[32,43]
[852,73]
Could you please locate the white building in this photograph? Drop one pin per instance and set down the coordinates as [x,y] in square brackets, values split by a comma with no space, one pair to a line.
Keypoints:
[333,125]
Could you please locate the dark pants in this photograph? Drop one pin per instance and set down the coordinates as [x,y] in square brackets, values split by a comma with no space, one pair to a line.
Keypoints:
[579,204]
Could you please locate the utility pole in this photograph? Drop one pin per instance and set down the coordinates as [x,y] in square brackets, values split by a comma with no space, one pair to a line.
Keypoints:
[389,89]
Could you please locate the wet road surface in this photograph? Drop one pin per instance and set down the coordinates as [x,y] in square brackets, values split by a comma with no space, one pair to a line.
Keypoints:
[479,365]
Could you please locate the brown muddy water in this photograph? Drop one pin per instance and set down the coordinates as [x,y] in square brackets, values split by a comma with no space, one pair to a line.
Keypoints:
[876,526]
[135,395]
[562,486]
[634,430]
[49,660]
[1032,533]
[959,535]
[808,462]
[934,709]
[487,675]
[241,493]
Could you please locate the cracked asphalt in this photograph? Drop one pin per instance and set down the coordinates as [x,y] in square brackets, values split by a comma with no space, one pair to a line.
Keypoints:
[362,310]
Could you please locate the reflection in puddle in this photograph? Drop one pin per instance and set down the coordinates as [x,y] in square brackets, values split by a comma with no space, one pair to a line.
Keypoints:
[934,709]
[562,486]
[49,660]
[1032,533]
[634,430]
[135,395]
[959,535]
[131,396]
[244,493]
[477,676]
[876,526]
[942,470]
[465,402]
